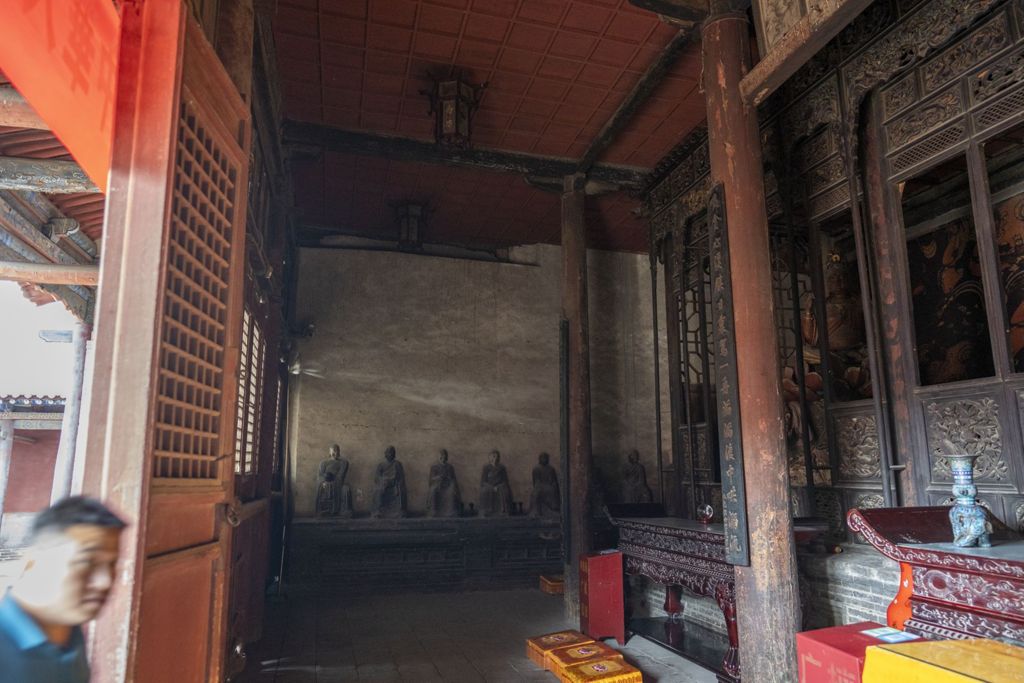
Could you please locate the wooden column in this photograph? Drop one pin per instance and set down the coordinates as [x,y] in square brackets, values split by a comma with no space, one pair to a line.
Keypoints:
[234,43]
[574,311]
[118,461]
[767,597]
[6,449]
[63,471]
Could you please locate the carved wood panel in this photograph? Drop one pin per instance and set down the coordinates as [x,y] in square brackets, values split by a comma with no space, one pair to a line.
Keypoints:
[973,425]
[857,443]
[1015,513]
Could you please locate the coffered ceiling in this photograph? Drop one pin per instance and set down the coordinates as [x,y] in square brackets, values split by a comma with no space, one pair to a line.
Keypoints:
[556,72]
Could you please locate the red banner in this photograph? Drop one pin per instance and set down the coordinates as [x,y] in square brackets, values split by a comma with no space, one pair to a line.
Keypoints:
[61,55]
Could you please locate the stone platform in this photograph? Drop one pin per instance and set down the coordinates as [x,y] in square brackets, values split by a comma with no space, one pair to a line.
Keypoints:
[417,554]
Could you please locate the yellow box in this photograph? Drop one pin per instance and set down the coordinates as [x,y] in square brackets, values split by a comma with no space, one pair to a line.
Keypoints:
[603,671]
[945,661]
[553,585]
[562,658]
[538,648]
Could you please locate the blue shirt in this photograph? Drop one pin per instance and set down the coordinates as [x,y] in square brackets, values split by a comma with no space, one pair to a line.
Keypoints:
[27,656]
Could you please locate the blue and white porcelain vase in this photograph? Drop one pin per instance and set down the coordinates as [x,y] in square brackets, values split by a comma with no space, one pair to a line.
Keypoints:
[970,524]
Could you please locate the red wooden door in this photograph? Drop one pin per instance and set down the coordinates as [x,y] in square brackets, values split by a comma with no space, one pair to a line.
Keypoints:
[161,428]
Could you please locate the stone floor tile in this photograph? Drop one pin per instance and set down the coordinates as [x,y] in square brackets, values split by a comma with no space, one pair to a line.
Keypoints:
[346,673]
[415,672]
[376,656]
[295,677]
[331,655]
[378,673]
[447,638]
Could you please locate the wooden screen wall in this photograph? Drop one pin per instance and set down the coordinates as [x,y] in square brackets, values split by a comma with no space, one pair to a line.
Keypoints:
[950,133]
[198,362]
[161,435]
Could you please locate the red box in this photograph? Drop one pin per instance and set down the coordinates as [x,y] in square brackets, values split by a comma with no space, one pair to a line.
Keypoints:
[602,600]
[835,655]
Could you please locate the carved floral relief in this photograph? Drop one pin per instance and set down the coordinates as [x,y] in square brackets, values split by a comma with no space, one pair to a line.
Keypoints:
[984,41]
[997,77]
[972,425]
[924,118]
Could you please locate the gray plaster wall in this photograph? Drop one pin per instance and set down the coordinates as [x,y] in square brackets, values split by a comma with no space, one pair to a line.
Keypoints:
[426,352]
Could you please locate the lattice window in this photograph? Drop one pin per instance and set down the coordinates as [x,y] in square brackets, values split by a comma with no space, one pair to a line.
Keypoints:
[194,319]
[250,395]
[278,408]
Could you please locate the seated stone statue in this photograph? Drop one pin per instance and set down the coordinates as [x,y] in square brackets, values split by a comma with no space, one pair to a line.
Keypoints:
[545,500]
[634,481]
[443,497]
[389,487]
[333,495]
[495,492]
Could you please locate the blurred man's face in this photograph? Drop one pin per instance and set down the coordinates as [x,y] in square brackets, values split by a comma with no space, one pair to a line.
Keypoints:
[69,574]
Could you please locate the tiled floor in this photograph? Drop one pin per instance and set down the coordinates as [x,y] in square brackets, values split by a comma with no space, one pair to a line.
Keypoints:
[454,637]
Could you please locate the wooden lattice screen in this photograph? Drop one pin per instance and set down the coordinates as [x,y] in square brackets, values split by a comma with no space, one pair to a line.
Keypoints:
[275,444]
[196,321]
[250,396]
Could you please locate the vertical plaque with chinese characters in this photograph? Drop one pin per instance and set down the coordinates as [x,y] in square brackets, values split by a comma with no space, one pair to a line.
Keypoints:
[734,499]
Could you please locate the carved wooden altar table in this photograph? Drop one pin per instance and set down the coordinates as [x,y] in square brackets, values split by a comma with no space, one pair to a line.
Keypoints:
[684,553]
[945,591]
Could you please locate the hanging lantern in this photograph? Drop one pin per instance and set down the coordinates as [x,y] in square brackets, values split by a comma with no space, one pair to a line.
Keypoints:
[453,102]
[411,220]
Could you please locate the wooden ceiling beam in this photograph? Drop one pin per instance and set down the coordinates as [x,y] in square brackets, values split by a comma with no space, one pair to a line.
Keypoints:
[50,273]
[643,89]
[298,135]
[16,112]
[804,40]
[22,216]
[49,176]
[681,11]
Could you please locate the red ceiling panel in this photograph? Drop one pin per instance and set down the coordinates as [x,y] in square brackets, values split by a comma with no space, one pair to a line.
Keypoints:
[556,71]
[355,9]
[580,17]
[358,195]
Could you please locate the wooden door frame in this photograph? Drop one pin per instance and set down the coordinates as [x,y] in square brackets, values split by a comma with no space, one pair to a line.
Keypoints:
[118,463]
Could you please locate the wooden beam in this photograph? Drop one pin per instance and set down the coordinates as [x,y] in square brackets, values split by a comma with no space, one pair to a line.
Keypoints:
[22,239]
[824,20]
[298,135]
[25,420]
[682,11]
[79,300]
[643,89]
[16,112]
[50,176]
[50,273]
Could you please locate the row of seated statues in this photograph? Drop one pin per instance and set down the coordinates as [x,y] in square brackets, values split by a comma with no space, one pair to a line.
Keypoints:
[444,499]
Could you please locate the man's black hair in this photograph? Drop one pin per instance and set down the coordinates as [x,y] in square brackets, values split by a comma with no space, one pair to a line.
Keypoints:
[74,511]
